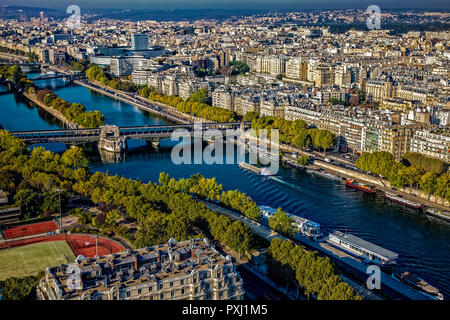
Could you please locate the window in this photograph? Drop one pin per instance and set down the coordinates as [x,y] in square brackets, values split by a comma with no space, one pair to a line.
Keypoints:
[182,291]
[181,281]
[172,293]
[161,296]
[128,293]
[171,284]
[150,289]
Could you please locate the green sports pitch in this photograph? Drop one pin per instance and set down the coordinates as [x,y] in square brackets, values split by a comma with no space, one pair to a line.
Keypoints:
[30,259]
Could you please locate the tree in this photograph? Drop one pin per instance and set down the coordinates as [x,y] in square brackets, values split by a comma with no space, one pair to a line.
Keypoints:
[303,160]
[379,162]
[250,116]
[336,289]
[20,288]
[164,179]
[74,158]
[443,186]
[112,216]
[282,223]
[428,182]
[207,188]
[144,92]
[238,237]
[302,140]
[425,163]
[50,201]
[239,67]
[323,139]
[15,73]
[334,101]
[74,111]
[199,96]
[27,200]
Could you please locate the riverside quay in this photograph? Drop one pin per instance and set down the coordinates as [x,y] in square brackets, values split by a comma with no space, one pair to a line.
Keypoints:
[188,270]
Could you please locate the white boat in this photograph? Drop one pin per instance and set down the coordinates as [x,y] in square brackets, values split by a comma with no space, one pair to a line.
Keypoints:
[326,175]
[304,226]
[399,199]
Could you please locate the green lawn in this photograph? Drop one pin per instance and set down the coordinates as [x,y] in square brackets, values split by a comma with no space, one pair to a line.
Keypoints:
[30,259]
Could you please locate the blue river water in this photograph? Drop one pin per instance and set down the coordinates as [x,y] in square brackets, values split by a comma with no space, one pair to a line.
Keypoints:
[423,243]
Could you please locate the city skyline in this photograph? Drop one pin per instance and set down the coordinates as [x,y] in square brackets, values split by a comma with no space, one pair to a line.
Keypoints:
[231,4]
[332,182]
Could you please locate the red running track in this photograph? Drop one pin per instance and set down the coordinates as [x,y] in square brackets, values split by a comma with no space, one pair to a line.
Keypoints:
[80,244]
[30,229]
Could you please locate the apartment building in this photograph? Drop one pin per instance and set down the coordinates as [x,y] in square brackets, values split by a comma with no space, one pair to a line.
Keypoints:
[244,103]
[324,75]
[431,143]
[139,42]
[342,77]
[378,90]
[271,107]
[396,139]
[57,56]
[188,270]
[273,65]
[297,69]
[331,93]
[223,98]
[169,86]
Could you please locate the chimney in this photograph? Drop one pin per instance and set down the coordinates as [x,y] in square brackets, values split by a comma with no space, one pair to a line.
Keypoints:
[136,265]
[192,254]
[158,255]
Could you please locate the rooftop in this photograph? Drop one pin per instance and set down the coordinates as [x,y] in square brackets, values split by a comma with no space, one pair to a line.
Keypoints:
[366,245]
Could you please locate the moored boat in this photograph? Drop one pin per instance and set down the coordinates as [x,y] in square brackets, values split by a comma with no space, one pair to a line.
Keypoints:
[419,284]
[400,200]
[325,174]
[359,186]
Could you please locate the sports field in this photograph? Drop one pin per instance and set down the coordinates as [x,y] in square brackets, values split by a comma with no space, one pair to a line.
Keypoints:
[30,259]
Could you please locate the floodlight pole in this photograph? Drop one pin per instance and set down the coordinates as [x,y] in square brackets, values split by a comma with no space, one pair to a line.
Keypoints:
[60,210]
[96,244]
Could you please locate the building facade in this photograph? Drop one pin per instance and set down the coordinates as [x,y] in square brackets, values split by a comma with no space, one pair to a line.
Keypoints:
[188,270]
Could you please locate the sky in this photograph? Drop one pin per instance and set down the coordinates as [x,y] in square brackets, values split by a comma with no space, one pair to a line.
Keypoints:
[228,4]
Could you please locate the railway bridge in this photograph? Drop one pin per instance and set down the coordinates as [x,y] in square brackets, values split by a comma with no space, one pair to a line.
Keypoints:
[114,138]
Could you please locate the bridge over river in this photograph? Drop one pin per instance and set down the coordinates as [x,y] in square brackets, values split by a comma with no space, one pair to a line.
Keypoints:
[113,138]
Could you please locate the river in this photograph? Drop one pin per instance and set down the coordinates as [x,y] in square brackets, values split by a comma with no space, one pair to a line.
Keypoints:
[423,243]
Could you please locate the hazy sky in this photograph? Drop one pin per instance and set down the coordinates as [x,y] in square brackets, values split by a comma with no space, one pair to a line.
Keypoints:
[229,4]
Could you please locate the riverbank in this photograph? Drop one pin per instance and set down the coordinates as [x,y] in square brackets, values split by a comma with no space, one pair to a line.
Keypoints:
[115,94]
[346,263]
[381,184]
[55,113]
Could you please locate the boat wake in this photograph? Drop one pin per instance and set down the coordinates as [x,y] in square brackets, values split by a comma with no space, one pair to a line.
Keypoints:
[293,186]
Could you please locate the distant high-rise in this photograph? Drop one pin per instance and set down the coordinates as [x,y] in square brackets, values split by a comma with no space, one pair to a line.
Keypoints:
[139,41]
